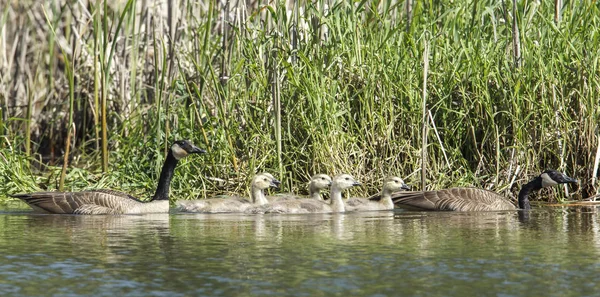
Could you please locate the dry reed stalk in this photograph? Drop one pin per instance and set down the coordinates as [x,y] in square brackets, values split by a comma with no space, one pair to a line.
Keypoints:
[63,173]
[596,162]
[408,7]
[424,118]
[438,138]
[516,38]
[557,11]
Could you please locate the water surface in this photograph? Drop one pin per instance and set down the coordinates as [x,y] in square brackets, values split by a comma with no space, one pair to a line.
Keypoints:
[554,252]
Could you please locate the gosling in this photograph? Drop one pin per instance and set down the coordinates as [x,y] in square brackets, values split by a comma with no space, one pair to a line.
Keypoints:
[340,183]
[260,182]
[390,185]
[318,183]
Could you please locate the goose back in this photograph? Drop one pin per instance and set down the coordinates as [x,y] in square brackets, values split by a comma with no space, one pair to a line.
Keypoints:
[91,203]
[109,201]
[453,199]
[296,206]
[213,205]
[473,199]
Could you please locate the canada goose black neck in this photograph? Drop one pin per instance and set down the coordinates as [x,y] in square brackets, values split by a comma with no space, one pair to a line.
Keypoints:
[164,182]
[533,185]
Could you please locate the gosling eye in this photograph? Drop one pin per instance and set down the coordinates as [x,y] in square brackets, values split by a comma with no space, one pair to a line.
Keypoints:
[347,178]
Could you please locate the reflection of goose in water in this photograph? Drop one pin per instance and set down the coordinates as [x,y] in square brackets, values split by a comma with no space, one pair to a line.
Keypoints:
[109,201]
[390,185]
[259,183]
[473,199]
[340,183]
[318,182]
[89,237]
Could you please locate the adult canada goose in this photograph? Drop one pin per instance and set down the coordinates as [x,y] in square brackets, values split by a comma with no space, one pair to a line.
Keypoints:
[318,182]
[390,185]
[473,199]
[104,201]
[340,183]
[260,182]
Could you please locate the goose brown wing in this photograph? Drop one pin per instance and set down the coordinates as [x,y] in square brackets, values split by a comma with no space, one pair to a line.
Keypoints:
[115,193]
[53,202]
[92,209]
[70,202]
[454,199]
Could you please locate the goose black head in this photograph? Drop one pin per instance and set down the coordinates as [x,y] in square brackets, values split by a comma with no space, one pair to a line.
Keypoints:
[182,148]
[552,177]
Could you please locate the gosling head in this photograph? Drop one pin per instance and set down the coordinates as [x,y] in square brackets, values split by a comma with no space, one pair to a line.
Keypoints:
[182,148]
[394,183]
[265,180]
[552,177]
[320,181]
[345,181]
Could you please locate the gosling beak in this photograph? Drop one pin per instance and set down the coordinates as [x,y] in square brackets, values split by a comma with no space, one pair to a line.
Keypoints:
[355,183]
[275,183]
[405,187]
[197,150]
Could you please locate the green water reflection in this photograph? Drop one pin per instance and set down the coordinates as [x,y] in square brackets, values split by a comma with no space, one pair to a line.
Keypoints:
[553,253]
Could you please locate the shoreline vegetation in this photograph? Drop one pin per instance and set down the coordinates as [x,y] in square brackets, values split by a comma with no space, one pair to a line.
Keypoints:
[92,93]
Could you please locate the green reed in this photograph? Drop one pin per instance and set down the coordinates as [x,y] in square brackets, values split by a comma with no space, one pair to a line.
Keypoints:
[333,86]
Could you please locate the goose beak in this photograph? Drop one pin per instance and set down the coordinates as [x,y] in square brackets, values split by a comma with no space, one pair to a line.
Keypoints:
[569,180]
[405,187]
[196,150]
[275,183]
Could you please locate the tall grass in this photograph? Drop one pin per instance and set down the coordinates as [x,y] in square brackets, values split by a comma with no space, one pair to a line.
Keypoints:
[303,87]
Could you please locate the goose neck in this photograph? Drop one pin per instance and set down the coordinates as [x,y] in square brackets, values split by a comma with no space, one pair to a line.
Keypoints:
[337,204]
[386,199]
[258,196]
[315,193]
[533,185]
[164,182]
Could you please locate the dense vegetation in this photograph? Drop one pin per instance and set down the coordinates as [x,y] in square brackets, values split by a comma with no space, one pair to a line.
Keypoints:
[298,88]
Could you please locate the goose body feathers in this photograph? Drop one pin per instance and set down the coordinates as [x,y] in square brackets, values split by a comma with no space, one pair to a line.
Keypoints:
[474,199]
[105,201]
[454,199]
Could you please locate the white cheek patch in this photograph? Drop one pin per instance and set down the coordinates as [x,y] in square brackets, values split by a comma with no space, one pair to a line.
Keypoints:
[547,181]
[178,152]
